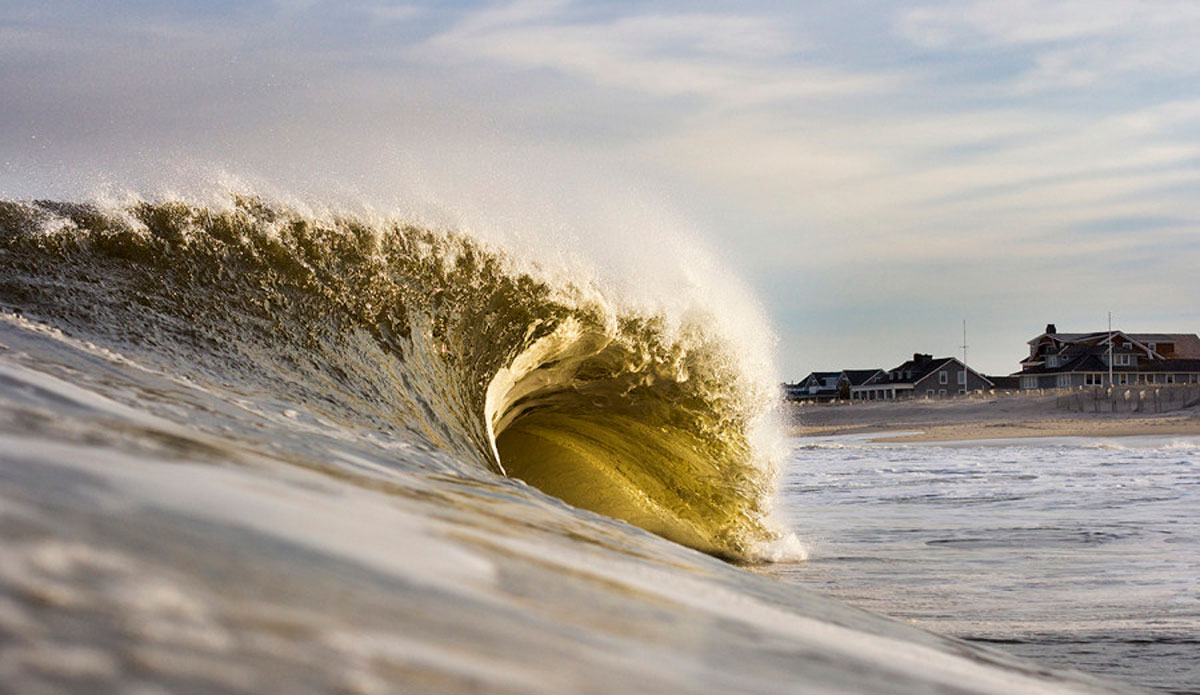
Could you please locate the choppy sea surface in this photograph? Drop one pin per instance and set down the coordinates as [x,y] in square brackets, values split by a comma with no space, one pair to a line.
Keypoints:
[1077,552]
[250,449]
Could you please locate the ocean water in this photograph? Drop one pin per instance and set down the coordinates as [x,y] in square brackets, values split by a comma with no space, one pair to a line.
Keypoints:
[1079,553]
[248,449]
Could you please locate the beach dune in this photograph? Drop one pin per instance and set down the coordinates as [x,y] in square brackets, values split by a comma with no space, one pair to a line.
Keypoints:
[984,417]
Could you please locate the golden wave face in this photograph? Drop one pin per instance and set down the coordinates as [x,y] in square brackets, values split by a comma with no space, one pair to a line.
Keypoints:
[429,337]
[640,435]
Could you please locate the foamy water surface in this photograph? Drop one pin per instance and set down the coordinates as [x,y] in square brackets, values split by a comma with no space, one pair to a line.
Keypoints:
[1079,552]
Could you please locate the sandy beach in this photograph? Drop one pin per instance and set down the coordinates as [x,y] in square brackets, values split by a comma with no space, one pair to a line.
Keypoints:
[996,417]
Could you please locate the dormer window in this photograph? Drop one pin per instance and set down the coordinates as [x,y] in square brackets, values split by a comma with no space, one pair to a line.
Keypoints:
[1122,360]
[1052,361]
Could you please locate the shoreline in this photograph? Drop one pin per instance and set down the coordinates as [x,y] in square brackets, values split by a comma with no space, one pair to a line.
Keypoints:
[1001,417]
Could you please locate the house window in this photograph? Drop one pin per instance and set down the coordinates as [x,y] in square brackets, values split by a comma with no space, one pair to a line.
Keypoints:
[929,393]
[1064,380]
[943,378]
[1052,361]
[1123,379]
[962,378]
[1029,382]
[942,393]
[1152,346]
[1122,360]
[1093,380]
[1170,378]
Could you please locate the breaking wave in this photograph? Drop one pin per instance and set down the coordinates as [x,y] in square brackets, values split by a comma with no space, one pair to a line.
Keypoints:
[428,336]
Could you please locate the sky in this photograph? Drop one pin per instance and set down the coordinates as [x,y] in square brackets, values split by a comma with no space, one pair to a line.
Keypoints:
[875,172]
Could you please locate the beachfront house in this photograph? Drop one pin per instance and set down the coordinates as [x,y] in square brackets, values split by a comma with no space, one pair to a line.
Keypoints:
[862,384]
[817,387]
[822,387]
[1066,360]
[926,376]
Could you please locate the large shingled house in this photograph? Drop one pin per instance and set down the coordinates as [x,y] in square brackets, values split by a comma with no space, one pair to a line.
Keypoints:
[1065,360]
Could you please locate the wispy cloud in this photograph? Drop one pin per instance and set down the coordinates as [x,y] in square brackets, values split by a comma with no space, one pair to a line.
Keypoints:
[724,58]
[1068,44]
[900,165]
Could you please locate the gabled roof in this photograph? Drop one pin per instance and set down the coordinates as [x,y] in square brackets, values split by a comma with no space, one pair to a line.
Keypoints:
[858,377]
[1060,337]
[920,368]
[820,377]
[1186,345]
[1086,363]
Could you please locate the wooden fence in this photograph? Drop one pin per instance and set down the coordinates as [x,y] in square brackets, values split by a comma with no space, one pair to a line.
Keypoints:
[1142,398]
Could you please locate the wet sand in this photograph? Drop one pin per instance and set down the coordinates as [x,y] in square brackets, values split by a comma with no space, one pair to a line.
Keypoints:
[998,417]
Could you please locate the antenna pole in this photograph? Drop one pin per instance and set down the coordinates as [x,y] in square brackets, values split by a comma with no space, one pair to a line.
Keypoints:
[964,349]
[1110,359]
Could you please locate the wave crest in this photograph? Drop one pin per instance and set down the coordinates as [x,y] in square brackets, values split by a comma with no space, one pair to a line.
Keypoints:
[427,335]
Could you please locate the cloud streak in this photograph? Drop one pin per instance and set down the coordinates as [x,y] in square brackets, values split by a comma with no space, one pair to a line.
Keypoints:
[1071,44]
[877,176]
[726,60]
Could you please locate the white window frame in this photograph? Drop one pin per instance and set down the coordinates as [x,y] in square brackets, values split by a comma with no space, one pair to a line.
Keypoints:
[943,377]
[1122,360]
[1122,379]
[941,393]
[962,377]
[1063,381]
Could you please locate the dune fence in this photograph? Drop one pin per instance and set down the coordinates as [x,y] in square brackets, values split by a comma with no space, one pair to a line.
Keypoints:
[1142,398]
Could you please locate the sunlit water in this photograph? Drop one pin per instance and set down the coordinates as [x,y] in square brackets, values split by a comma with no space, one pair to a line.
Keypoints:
[1079,553]
[245,449]
[162,534]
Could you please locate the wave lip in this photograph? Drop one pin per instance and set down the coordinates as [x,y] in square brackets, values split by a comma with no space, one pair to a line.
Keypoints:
[607,419]
[424,335]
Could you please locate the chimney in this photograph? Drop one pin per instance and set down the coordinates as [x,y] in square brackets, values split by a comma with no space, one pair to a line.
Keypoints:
[1050,328]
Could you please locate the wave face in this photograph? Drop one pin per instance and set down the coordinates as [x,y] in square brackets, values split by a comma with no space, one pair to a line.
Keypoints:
[430,337]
